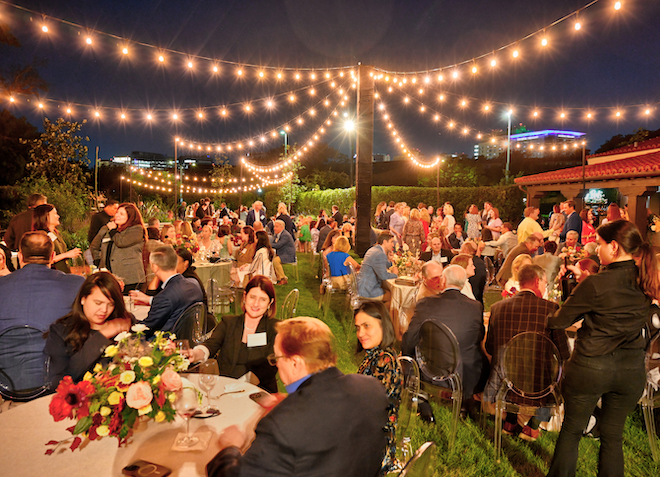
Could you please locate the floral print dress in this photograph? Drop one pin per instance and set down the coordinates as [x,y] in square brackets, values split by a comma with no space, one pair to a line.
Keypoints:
[382,365]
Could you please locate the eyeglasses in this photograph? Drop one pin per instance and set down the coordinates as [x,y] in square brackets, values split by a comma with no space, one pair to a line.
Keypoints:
[272,359]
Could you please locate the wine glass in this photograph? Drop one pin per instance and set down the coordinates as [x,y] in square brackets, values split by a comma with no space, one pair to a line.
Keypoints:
[186,406]
[208,377]
[182,347]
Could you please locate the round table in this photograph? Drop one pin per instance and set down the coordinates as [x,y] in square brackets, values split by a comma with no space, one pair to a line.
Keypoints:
[402,304]
[28,427]
[218,270]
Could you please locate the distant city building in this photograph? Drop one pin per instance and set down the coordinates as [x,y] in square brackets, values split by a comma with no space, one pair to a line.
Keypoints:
[382,158]
[534,144]
[159,162]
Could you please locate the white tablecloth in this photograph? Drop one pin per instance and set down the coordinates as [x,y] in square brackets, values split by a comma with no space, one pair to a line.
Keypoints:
[401,306]
[219,270]
[25,429]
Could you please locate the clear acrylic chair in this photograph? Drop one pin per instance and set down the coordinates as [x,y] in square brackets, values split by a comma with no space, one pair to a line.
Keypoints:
[407,406]
[421,462]
[190,325]
[290,304]
[438,356]
[651,398]
[531,368]
[23,364]
[220,296]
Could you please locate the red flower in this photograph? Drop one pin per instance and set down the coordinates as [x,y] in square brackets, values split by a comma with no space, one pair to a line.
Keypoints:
[71,396]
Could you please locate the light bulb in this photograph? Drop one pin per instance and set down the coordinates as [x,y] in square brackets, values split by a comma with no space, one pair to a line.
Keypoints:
[88,40]
[124,51]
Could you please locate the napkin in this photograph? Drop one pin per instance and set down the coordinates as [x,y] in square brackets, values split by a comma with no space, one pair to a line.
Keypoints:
[202,443]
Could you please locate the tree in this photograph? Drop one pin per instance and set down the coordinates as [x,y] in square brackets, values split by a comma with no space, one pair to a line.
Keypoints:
[58,154]
[222,174]
[326,179]
[13,153]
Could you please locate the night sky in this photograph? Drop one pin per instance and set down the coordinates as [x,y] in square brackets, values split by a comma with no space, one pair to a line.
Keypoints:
[612,62]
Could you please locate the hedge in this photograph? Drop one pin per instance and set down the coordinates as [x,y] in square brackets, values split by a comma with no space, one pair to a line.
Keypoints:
[507,199]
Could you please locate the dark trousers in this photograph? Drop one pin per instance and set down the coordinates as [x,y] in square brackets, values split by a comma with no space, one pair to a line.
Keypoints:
[618,378]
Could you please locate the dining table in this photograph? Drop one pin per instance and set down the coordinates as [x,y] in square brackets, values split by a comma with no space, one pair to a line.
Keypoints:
[219,271]
[402,305]
[27,428]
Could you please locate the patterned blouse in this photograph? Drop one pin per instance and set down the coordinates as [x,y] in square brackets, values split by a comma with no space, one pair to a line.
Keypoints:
[382,365]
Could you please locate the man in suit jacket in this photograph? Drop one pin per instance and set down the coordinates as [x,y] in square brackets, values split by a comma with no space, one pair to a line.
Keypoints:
[464,317]
[257,213]
[21,223]
[36,295]
[457,237]
[437,253]
[101,218]
[374,269]
[573,221]
[285,248]
[330,423]
[529,246]
[525,311]
[178,292]
[339,218]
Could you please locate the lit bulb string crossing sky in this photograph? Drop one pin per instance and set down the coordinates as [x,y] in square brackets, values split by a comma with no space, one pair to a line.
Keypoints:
[189,61]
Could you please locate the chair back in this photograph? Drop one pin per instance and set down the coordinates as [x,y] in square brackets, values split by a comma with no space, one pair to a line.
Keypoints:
[190,325]
[23,364]
[418,465]
[531,365]
[437,352]
[352,289]
[653,362]
[408,403]
[651,399]
[290,304]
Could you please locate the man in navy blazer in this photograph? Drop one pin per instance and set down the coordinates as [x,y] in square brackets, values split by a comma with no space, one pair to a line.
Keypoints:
[178,292]
[36,295]
[257,213]
[330,423]
[285,248]
[573,221]
[464,317]
[373,271]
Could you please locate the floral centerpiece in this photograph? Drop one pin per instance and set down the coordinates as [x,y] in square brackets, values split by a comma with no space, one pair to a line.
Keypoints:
[189,243]
[140,382]
[405,261]
[572,254]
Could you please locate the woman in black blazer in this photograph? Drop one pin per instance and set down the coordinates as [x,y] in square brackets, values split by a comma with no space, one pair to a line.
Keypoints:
[76,342]
[242,343]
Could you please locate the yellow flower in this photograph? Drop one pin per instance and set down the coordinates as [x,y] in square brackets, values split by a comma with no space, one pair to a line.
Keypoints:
[156,379]
[127,377]
[105,411]
[88,376]
[145,361]
[114,398]
[172,397]
[145,410]
[98,367]
[103,431]
[160,417]
[111,351]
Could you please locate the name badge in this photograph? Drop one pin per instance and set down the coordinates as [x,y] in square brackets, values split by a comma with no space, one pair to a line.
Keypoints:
[443,259]
[106,240]
[256,339]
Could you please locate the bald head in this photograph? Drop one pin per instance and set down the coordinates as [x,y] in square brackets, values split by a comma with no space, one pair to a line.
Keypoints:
[455,276]
[35,247]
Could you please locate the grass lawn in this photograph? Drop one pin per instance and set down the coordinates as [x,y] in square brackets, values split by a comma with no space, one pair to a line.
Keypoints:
[473,453]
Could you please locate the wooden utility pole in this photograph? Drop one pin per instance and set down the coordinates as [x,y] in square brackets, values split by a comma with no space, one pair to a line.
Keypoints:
[364,162]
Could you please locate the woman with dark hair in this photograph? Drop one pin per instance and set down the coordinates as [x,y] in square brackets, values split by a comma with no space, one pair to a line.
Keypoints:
[588,230]
[262,264]
[225,239]
[242,343]
[608,360]
[45,217]
[375,334]
[119,245]
[248,246]
[76,342]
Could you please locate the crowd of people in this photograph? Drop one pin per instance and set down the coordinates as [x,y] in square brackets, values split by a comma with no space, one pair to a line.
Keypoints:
[615,280]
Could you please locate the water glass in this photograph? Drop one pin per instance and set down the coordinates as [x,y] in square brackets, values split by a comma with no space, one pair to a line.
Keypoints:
[186,407]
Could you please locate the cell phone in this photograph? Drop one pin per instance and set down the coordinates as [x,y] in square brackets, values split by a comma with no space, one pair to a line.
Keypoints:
[143,468]
[264,399]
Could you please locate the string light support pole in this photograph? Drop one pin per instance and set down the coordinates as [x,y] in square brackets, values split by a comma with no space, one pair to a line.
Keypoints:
[176,160]
[364,149]
[508,148]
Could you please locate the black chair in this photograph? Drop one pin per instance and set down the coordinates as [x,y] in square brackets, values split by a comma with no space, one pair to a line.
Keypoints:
[531,368]
[190,324]
[418,465]
[23,364]
[439,357]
